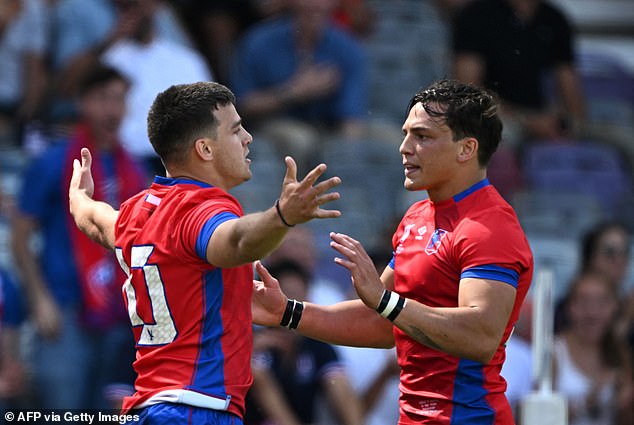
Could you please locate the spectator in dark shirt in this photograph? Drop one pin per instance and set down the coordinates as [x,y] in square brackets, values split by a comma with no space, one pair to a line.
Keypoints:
[509,46]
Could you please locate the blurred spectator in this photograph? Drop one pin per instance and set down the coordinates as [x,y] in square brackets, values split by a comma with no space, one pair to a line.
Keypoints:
[13,372]
[292,372]
[606,250]
[14,379]
[152,63]
[216,26]
[83,29]
[72,284]
[509,46]
[327,279]
[23,36]
[300,78]
[377,385]
[592,366]
[356,16]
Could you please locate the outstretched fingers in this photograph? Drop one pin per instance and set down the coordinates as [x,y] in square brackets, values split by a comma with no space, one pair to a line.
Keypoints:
[326,185]
[301,201]
[345,245]
[311,178]
[327,197]
[291,170]
[263,272]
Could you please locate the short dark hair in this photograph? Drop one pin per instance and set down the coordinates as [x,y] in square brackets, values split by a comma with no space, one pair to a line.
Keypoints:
[183,113]
[99,75]
[469,111]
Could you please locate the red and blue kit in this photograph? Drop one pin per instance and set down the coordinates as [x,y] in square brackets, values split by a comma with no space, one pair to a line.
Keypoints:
[476,234]
[191,320]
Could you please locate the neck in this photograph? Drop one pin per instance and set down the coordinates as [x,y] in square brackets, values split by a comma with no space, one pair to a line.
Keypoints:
[175,172]
[456,186]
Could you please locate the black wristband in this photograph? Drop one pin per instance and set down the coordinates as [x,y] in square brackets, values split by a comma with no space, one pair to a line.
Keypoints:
[384,300]
[292,314]
[286,319]
[297,315]
[279,212]
[397,310]
[391,305]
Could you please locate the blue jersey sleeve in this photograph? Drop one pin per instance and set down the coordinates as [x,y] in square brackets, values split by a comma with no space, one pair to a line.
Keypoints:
[208,229]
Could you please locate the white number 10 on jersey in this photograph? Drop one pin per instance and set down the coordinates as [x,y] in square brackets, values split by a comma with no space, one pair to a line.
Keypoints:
[159,329]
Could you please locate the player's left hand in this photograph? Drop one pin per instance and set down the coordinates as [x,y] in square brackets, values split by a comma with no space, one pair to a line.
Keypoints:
[301,201]
[365,278]
[268,302]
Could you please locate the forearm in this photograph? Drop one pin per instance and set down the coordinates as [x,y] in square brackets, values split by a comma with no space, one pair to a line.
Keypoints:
[457,331]
[25,260]
[250,238]
[346,323]
[94,218]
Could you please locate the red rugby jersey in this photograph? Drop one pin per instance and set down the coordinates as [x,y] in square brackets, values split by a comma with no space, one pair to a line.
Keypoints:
[191,320]
[475,234]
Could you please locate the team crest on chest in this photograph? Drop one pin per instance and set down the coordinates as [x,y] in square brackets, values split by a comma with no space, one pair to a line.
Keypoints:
[435,241]
[409,230]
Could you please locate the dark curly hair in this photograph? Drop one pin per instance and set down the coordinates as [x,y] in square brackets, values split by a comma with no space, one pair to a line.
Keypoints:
[469,111]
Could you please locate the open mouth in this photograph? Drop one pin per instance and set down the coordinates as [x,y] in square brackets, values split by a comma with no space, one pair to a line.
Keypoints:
[409,169]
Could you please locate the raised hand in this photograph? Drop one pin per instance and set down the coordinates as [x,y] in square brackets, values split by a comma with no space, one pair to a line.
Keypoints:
[301,201]
[268,302]
[365,278]
[81,179]
[95,218]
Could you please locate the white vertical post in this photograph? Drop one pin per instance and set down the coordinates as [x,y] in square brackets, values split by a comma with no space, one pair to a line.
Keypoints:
[543,407]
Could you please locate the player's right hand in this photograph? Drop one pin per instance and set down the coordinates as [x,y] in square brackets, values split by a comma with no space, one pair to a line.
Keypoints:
[268,302]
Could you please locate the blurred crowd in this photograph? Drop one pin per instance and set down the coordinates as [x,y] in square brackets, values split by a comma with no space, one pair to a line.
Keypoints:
[321,80]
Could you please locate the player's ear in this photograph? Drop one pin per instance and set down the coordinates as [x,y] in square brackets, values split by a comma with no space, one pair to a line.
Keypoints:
[468,149]
[203,148]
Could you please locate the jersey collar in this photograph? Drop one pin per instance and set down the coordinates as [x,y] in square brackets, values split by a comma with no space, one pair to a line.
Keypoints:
[168,181]
[460,196]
